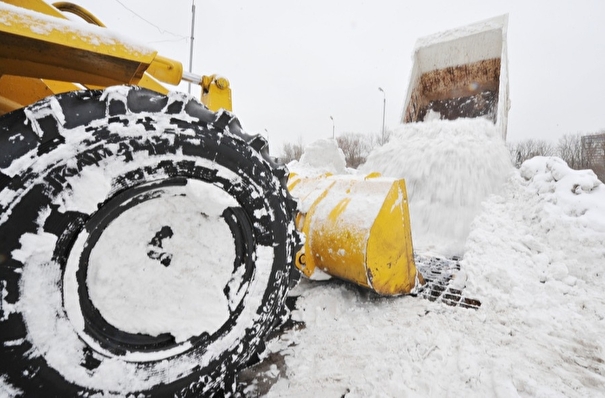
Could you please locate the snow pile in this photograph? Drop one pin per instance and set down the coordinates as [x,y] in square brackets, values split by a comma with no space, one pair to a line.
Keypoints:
[319,157]
[575,193]
[556,229]
[449,167]
[535,258]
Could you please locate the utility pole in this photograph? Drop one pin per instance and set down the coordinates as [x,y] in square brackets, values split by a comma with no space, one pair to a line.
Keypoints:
[191,42]
[384,107]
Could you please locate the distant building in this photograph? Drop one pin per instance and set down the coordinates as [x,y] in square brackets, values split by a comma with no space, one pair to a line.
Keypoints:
[593,153]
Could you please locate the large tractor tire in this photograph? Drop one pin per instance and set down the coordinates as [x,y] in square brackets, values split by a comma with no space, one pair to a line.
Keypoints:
[145,246]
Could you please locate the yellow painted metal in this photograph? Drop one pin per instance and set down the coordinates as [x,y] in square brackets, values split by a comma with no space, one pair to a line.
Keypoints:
[36,5]
[216,93]
[8,105]
[151,83]
[78,10]
[35,45]
[38,42]
[17,92]
[166,70]
[389,251]
[357,229]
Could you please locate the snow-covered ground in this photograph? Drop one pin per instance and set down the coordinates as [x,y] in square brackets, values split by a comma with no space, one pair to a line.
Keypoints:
[532,243]
[533,254]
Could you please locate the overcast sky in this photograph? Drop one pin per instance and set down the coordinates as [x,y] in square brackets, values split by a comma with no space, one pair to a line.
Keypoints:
[293,64]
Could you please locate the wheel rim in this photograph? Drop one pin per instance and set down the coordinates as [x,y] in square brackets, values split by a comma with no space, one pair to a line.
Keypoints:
[117,303]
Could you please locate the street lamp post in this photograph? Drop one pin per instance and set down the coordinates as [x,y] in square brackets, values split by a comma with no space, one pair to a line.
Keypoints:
[333,129]
[384,107]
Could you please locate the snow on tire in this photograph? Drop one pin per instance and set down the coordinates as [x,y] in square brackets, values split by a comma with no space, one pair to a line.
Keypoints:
[145,245]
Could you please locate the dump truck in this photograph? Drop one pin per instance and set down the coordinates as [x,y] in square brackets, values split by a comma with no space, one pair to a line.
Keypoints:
[147,241]
[461,73]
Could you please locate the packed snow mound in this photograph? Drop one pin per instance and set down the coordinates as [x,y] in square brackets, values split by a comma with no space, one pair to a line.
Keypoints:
[449,167]
[560,226]
[566,212]
[319,157]
[577,194]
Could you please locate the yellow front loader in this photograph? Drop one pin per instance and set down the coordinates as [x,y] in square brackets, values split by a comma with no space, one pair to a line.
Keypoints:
[147,242]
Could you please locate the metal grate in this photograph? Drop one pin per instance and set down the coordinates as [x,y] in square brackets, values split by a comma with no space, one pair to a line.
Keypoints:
[438,272]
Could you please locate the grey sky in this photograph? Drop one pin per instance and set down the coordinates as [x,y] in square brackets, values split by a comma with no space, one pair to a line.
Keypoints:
[293,64]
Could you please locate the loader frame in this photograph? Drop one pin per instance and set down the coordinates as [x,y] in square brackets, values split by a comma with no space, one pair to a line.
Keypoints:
[43,53]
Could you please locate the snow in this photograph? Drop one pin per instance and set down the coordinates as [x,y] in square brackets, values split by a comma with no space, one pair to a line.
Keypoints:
[449,167]
[533,252]
[41,110]
[475,32]
[94,36]
[136,293]
[319,157]
[534,257]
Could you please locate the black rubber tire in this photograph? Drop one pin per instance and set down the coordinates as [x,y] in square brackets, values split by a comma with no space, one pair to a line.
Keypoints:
[170,141]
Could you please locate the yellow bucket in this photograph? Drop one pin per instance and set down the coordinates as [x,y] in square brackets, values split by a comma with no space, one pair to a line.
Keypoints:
[357,228]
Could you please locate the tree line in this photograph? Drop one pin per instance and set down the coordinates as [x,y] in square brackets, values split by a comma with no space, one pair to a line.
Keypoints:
[579,151]
[355,146]
[575,149]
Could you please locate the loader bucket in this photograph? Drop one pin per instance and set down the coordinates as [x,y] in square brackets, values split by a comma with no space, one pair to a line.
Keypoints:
[357,229]
[461,73]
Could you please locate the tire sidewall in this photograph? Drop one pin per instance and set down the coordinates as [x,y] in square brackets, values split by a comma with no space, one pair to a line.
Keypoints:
[132,149]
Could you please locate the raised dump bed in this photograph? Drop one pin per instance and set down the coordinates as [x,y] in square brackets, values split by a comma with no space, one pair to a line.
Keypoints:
[461,73]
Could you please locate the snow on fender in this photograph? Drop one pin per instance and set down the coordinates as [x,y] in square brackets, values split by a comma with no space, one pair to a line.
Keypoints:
[145,246]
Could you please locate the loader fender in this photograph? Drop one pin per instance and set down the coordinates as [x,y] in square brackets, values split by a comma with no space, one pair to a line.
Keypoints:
[166,170]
